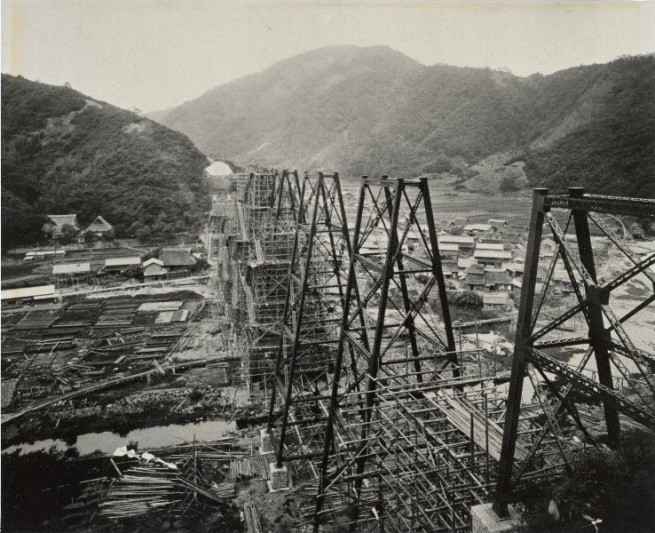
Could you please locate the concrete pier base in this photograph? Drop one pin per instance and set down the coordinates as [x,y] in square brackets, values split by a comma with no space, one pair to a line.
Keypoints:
[279,478]
[265,442]
[485,520]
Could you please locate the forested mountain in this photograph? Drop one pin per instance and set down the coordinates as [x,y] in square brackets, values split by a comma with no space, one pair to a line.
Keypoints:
[63,152]
[374,110]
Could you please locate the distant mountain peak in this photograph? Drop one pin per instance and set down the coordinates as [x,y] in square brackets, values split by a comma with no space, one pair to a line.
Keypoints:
[373,109]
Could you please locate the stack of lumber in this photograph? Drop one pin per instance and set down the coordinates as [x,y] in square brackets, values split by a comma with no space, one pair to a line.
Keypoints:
[141,489]
[248,467]
[77,514]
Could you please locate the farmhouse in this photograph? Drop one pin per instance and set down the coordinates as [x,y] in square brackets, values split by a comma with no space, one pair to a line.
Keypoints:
[449,251]
[515,269]
[101,228]
[498,281]
[449,269]
[489,246]
[474,278]
[512,236]
[55,224]
[153,270]
[466,243]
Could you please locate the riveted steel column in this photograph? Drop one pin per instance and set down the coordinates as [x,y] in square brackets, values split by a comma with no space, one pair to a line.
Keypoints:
[298,324]
[437,269]
[522,342]
[599,338]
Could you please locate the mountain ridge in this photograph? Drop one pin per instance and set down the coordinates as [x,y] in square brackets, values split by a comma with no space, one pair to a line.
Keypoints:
[375,110]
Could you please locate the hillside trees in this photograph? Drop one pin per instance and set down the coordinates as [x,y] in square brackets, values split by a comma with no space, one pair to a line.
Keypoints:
[68,234]
[615,153]
[62,155]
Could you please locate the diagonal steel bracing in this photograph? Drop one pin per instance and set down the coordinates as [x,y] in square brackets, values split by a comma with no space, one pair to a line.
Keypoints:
[614,373]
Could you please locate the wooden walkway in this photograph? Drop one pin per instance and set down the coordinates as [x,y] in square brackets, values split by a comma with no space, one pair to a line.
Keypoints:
[459,414]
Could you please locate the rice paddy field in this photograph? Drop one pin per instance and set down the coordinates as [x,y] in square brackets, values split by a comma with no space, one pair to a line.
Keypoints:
[449,204]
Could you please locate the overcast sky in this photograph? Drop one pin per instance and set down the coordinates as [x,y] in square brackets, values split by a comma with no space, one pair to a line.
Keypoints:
[156,54]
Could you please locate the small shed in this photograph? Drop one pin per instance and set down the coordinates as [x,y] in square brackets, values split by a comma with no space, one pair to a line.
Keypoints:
[498,222]
[473,229]
[37,255]
[496,300]
[8,389]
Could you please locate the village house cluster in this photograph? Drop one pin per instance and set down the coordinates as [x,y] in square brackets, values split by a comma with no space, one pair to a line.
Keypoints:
[488,258]
[89,268]
[66,227]
[483,257]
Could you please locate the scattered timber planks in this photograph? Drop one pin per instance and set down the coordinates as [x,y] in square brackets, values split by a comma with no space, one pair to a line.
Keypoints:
[251,516]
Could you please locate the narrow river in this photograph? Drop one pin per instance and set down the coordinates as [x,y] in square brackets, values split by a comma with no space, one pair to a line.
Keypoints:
[148,438]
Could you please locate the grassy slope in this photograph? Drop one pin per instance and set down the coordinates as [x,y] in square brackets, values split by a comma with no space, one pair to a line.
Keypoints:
[60,155]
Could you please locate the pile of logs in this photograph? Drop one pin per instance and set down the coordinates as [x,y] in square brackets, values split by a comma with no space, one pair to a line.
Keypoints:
[154,484]
[141,489]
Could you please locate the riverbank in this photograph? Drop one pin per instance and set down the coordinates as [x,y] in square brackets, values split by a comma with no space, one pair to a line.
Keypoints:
[176,400]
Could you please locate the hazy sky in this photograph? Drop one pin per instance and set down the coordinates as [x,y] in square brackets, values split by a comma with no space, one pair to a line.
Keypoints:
[156,54]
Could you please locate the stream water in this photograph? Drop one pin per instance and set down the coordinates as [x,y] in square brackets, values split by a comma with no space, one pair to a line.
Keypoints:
[148,438]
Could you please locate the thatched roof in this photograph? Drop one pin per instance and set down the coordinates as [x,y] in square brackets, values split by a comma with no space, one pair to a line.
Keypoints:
[99,225]
[61,220]
[177,257]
